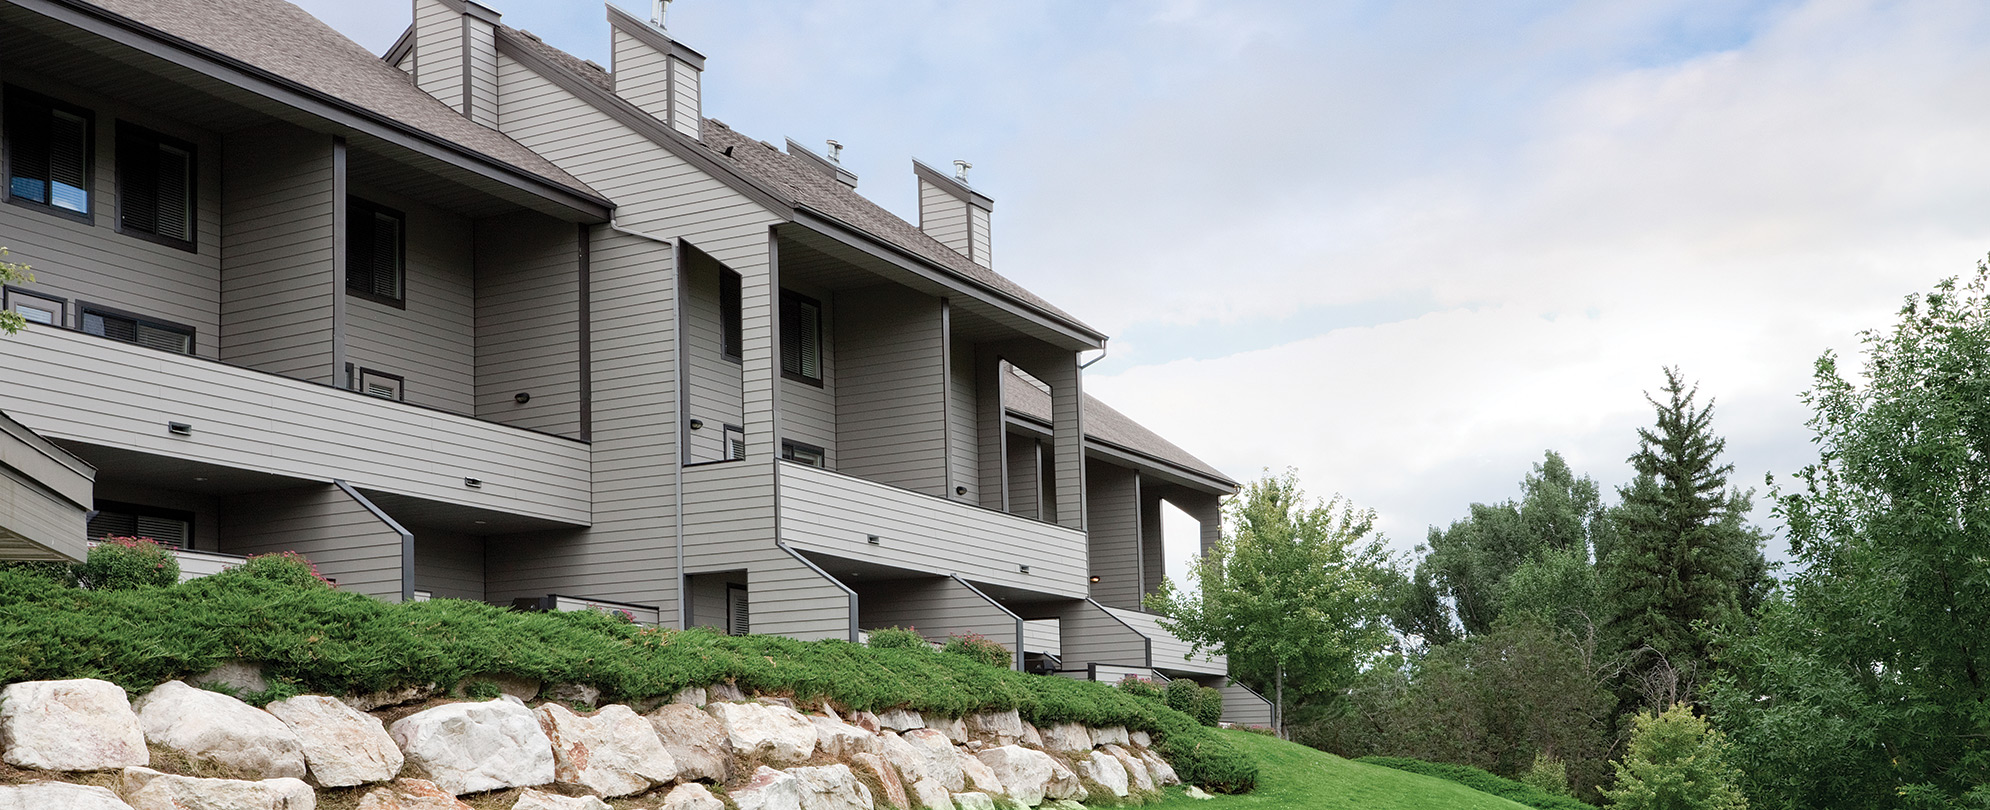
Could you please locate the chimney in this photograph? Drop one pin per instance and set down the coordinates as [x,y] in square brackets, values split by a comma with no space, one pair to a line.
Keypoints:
[654,73]
[455,56]
[832,165]
[954,213]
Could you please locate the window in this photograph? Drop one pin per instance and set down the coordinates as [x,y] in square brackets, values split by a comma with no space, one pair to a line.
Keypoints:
[381,384]
[35,307]
[801,338]
[48,153]
[169,527]
[730,333]
[800,453]
[155,186]
[735,438]
[376,248]
[138,329]
[739,619]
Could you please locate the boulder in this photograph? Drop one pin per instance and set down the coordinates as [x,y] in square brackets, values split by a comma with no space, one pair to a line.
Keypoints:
[1159,769]
[783,702]
[239,677]
[1140,738]
[536,800]
[614,752]
[213,727]
[1109,735]
[953,727]
[342,746]
[1023,773]
[1032,736]
[147,789]
[1000,728]
[1067,737]
[978,777]
[774,733]
[864,720]
[59,796]
[689,696]
[572,694]
[410,794]
[974,801]
[475,747]
[1104,769]
[935,757]
[1064,783]
[832,787]
[691,796]
[76,725]
[892,787]
[769,789]
[391,697]
[1137,777]
[696,741]
[842,740]
[932,795]
[1197,793]
[727,692]
[900,720]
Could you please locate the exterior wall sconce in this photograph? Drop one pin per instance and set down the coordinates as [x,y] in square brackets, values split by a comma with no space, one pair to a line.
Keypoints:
[960,490]
[474,483]
[179,428]
[1023,568]
[697,424]
[522,398]
[1095,579]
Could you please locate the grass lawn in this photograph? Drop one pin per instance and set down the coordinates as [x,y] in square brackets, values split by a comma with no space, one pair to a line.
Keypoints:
[1294,777]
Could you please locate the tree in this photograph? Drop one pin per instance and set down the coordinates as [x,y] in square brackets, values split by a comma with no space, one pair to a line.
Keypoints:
[1865,682]
[1290,593]
[12,273]
[1683,561]
[1676,762]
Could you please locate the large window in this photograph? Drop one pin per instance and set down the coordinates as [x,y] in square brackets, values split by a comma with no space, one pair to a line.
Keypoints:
[730,331]
[801,338]
[130,328]
[48,146]
[376,254]
[155,186]
[169,527]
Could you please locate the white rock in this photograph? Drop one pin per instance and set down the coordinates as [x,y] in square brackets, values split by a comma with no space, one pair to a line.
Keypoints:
[410,794]
[692,796]
[1064,783]
[978,777]
[147,789]
[59,796]
[932,795]
[1137,777]
[842,740]
[1068,737]
[535,800]
[241,676]
[1140,738]
[1159,769]
[936,757]
[213,727]
[342,746]
[769,789]
[727,692]
[1032,736]
[689,696]
[696,741]
[1023,773]
[775,733]
[887,776]
[832,787]
[974,801]
[1104,769]
[1198,793]
[1000,728]
[864,720]
[1110,735]
[475,747]
[900,720]
[76,725]
[615,752]
[953,727]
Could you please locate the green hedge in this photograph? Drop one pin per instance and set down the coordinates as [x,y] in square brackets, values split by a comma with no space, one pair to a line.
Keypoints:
[316,639]
[1483,782]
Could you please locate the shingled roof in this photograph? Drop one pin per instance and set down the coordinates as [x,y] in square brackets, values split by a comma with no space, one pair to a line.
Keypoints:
[1106,425]
[284,40]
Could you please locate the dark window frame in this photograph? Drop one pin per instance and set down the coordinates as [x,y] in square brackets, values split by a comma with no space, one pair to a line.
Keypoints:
[400,383]
[9,291]
[731,614]
[726,433]
[732,331]
[129,133]
[8,94]
[788,446]
[193,336]
[354,207]
[144,510]
[790,324]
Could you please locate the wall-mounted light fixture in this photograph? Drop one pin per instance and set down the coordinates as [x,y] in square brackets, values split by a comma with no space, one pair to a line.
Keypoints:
[697,423]
[522,398]
[1095,579]
[960,490]
[872,539]
[1023,568]
[474,483]
[179,428]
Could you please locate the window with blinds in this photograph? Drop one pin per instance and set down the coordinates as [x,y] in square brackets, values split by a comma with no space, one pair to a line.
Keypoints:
[381,384]
[167,527]
[155,186]
[739,619]
[735,439]
[801,338]
[137,329]
[808,454]
[48,145]
[376,252]
[731,333]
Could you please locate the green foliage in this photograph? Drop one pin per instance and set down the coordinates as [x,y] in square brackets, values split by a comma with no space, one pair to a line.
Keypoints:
[1182,694]
[13,273]
[289,568]
[1295,777]
[1548,775]
[897,638]
[1476,779]
[482,689]
[980,648]
[1291,593]
[123,563]
[1864,682]
[1676,762]
[1141,688]
[1208,708]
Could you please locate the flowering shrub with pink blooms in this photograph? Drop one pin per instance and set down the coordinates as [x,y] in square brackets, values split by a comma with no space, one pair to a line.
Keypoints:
[124,563]
[288,567]
[980,648]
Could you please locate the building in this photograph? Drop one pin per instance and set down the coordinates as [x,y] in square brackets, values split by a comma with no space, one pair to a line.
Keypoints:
[478,319]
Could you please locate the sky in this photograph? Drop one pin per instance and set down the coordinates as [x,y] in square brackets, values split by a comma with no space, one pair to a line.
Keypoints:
[1402,248]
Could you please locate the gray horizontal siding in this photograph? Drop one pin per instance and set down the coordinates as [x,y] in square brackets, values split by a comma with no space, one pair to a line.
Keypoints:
[938,608]
[528,323]
[431,341]
[439,51]
[943,216]
[1245,707]
[483,72]
[347,543]
[715,395]
[1170,653]
[808,412]
[34,523]
[449,565]
[980,237]
[641,74]
[1093,636]
[891,388]
[1113,496]
[1025,468]
[963,423]
[278,283]
[685,112]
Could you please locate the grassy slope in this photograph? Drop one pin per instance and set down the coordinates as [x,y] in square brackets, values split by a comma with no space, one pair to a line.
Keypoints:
[1294,777]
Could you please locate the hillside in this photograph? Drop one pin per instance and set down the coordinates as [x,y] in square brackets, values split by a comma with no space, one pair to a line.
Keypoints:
[1294,777]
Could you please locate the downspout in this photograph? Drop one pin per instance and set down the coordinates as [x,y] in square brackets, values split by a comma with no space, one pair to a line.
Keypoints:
[683,403]
[1105,348]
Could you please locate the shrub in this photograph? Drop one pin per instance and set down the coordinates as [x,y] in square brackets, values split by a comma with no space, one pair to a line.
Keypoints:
[1208,706]
[289,568]
[1141,688]
[898,638]
[980,648]
[482,689]
[1181,694]
[1548,774]
[1676,761]
[124,563]
[1482,781]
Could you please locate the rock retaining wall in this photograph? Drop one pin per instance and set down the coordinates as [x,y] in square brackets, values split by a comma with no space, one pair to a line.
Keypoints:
[705,749]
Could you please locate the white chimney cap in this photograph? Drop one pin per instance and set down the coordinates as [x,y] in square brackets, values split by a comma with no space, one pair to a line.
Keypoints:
[960,170]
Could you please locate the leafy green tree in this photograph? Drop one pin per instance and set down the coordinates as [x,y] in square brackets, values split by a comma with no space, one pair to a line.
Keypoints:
[1290,594]
[1864,684]
[1683,560]
[1676,762]
[12,273]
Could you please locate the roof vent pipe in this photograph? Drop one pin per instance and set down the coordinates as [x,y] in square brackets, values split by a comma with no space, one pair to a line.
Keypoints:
[657,8]
[835,151]
[960,170]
